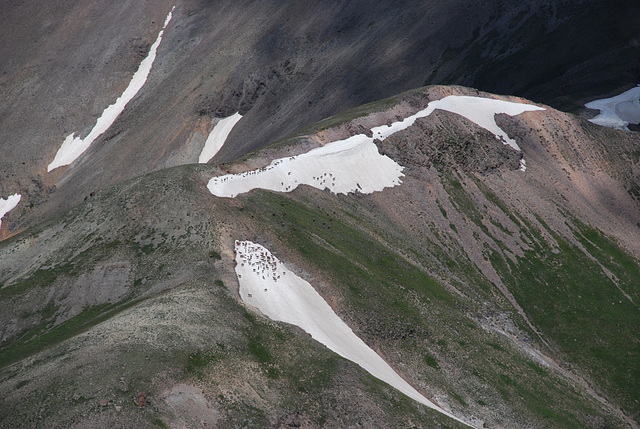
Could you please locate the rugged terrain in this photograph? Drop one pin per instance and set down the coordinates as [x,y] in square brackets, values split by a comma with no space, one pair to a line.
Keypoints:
[282,65]
[507,297]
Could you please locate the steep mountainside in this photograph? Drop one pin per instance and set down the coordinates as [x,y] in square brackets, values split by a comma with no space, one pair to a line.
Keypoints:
[479,252]
[507,297]
[282,65]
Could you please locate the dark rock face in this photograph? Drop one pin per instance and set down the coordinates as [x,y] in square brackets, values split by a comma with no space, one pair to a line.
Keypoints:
[558,53]
[443,145]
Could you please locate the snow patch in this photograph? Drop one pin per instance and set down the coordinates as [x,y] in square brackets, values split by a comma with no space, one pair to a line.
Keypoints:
[523,165]
[619,111]
[9,204]
[279,294]
[73,147]
[354,164]
[482,112]
[217,137]
[343,166]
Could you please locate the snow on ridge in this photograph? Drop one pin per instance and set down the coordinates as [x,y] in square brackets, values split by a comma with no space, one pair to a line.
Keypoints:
[9,204]
[482,112]
[479,110]
[354,164]
[279,294]
[217,137]
[343,166]
[619,111]
[168,18]
[73,147]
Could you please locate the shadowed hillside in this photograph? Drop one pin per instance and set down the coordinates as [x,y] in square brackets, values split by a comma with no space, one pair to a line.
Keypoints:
[282,65]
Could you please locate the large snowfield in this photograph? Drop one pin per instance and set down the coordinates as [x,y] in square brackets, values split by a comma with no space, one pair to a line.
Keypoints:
[354,164]
[343,166]
[73,147]
[266,283]
[619,111]
[217,137]
[9,204]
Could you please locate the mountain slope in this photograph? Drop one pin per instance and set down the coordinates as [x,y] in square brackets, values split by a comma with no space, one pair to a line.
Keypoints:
[507,297]
[65,62]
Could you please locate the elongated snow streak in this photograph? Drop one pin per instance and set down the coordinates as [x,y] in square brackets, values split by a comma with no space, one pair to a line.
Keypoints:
[619,111]
[9,204]
[354,164]
[73,147]
[217,137]
[279,294]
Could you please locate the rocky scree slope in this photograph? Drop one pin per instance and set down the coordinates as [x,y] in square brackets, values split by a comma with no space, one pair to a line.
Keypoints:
[507,297]
[66,61]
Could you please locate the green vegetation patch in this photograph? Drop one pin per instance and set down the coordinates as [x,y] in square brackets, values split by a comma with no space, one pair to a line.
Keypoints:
[569,297]
[41,337]
[431,361]
[42,277]
[494,199]
[197,362]
[387,295]
[374,275]
[259,351]
[462,201]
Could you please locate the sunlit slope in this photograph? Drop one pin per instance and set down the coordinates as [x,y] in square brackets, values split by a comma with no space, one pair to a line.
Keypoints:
[507,297]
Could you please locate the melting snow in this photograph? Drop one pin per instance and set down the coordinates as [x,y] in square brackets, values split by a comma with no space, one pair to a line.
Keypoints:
[482,111]
[523,165]
[217,137]
[73,147]
[342,166]
[280,295]
[354,164]
[619,111]
[9,204]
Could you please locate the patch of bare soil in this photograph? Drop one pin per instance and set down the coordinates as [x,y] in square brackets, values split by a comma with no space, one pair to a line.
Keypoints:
[189,407]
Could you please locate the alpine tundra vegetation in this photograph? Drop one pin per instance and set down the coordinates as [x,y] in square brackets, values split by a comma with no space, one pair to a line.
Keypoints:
[318,214]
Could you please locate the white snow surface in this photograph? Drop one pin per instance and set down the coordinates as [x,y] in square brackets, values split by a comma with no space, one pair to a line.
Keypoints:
[482,112]
[73,147]
[279,294]
[342,166]
[354,164]
[619,111]
[9,204]
[523,165]
[217,137]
